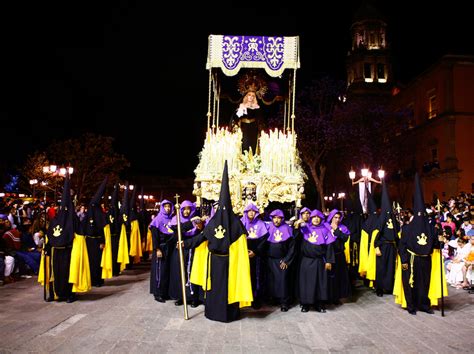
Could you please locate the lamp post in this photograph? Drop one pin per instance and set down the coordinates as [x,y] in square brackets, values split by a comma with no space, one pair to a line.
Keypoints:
[341,196]
[54,171]
[33,182]
[364,183]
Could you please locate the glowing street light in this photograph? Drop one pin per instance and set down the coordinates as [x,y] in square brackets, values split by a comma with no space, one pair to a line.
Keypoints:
[364,183]
[33,182]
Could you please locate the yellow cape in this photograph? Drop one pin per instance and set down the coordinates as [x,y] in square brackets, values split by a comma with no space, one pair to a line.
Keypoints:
[149,242]
[135,242]
[372,258]
[122,254]
[239,283]
[363,252]
[434,293]
[79,270]
[106,261]
[347,250]
[45,261]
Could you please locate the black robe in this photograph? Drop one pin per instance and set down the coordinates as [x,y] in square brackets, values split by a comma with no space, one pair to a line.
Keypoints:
[339,283]
[257,266]
[385,264]
[415,250]
[354,222]
[175,290]
[216,305]
[251,124]
[278,280]
[312,276]
[95,257]
[160,267]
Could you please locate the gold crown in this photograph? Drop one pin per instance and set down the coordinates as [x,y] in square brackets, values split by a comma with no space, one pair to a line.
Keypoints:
[252,81]
[220,231]
[422,239]
[57,231]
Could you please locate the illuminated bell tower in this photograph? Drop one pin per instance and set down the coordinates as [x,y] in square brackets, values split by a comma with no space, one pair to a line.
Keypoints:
[369,69]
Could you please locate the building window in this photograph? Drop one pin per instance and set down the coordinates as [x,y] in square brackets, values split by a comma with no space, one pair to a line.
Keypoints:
[373,43]
[368,72]
[434,154]
[381,73]
[432,106]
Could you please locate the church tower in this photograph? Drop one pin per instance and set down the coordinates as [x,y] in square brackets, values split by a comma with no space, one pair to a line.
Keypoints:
[369,69]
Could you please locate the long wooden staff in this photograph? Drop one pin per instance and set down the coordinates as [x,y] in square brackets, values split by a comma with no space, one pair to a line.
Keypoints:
[441,263]
[181,257]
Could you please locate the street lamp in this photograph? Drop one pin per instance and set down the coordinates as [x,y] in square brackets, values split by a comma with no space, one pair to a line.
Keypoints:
[54,170]
[364,183]
[341,196]
[33,182]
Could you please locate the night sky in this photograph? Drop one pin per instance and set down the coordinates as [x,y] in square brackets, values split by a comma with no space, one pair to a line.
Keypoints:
[92,65]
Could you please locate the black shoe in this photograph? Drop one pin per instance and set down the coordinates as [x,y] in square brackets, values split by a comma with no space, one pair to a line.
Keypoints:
[429,311]
[195,304]
[256,305]
[379,293]
[412,312]
[50,299]
[178,302]
[284,308]
[320,309]
[304,308]
[159,299]
[71,298]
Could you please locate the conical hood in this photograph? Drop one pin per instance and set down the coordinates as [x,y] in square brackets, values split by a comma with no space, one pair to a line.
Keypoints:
[93,224]
[357,204]
[133,205]
[371,206]
[225,227]
[61,229]
[113,215]
[420,222]
[387,221]
[349,205]
[371,222]
[142,201]
[115,197]
[100,192]
[124,208]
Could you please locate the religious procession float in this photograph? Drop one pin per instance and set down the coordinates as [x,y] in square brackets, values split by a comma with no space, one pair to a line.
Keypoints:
[271,172]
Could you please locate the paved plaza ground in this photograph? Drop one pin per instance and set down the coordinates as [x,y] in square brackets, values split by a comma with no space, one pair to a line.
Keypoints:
[122,317]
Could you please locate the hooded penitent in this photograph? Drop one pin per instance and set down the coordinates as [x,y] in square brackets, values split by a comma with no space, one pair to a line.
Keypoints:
[368,228]
[224,255]
[97,232]
[135,236]
[123,257]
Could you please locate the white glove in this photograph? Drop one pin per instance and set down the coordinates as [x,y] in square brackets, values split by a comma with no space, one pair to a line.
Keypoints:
[241,111]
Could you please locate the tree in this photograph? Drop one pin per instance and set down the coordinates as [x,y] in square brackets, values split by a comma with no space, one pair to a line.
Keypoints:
[92,157]
[33,169]
[319,128]
[335,134]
